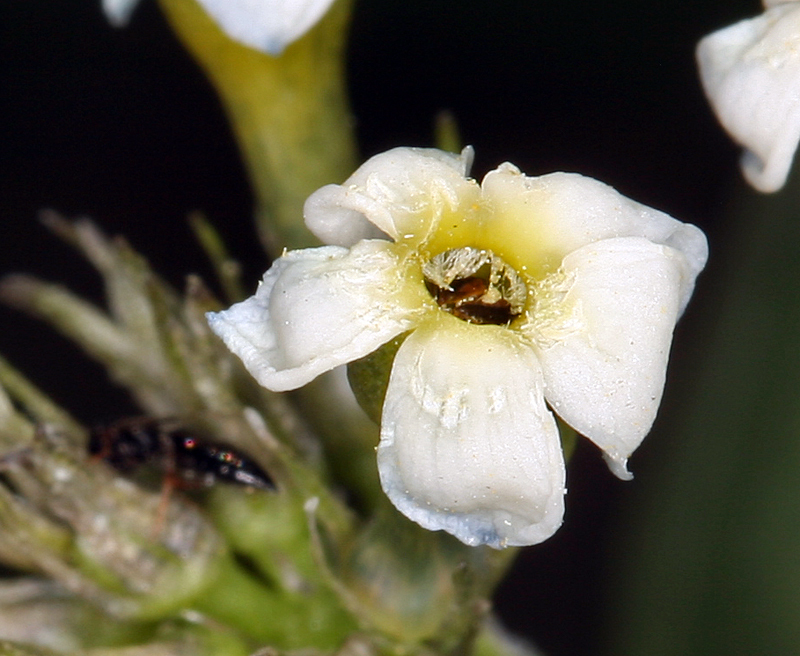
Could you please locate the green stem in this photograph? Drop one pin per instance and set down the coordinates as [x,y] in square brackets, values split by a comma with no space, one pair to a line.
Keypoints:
[289,113]
[282,620]
[291,118]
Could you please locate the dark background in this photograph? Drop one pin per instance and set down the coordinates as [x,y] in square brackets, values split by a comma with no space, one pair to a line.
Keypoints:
[120,125]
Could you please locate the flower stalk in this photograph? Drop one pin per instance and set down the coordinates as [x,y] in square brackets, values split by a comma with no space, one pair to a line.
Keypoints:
[289,113]
[291,118]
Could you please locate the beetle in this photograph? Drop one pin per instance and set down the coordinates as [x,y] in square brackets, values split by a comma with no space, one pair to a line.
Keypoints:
[187,459]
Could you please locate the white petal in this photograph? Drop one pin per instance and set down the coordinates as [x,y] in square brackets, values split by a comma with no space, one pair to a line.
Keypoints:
[751,75]
[319,308]
[118,12]
[537,221]
[266,25]
[467,443]
[604,375]
[403,191]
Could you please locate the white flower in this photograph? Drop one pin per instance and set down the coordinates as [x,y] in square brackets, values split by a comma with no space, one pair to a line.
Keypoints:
[266,25]
[515,291]
[751,74]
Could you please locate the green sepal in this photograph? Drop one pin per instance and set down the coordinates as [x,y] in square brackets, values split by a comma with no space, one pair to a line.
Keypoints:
[407,583]
[369,377]
[569,438]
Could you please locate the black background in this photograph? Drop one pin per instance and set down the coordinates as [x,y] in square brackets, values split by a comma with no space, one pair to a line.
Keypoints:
[120,125]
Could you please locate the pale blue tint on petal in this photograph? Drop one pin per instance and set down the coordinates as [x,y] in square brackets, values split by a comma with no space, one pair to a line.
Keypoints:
[467,443]
[118,12]
[751,75]
[266,25]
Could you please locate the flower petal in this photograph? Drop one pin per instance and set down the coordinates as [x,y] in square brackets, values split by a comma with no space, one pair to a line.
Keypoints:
[319,308]
[400,193]
[266,25]
[537,221]
[118,12]
[467,443]
[751,74]
[604,373]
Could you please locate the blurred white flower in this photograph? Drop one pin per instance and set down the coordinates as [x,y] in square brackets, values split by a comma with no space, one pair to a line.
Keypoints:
[266,25]
[751,74]
[514,292]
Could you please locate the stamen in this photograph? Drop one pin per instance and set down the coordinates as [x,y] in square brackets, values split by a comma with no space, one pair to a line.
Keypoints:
[475,285]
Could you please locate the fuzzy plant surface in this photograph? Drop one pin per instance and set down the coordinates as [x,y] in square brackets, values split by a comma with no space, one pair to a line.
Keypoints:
[104,562]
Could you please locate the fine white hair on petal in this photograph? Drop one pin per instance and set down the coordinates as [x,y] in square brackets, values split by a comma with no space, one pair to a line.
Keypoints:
[399,192]
[467,443]
[751,75]
[316,309]
[605,378]
[553,215]
[118,12]
[266,25]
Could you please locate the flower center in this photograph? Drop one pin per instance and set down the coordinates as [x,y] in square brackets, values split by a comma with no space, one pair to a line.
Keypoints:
[475,285]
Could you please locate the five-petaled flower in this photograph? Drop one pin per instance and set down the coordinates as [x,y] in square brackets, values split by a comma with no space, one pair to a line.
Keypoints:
[266,25]
[515,293]
[751,74]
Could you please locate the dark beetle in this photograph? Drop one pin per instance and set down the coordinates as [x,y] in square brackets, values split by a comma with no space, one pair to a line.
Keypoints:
[188,460]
